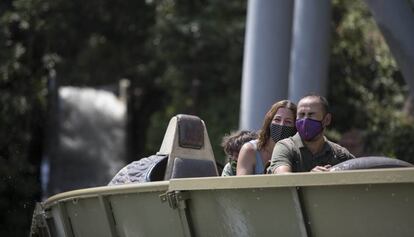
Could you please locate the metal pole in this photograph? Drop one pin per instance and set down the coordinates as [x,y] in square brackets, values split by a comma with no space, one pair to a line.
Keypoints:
[310,48]
[266,59]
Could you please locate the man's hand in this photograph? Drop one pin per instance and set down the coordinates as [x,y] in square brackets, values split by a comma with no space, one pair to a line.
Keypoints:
[321,168]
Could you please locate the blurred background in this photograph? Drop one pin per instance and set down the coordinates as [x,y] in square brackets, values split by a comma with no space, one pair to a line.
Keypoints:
[87,87]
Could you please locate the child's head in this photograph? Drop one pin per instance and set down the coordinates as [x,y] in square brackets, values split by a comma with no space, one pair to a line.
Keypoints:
[233,142]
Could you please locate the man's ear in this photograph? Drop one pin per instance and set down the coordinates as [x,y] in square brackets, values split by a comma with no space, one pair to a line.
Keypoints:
[327,120]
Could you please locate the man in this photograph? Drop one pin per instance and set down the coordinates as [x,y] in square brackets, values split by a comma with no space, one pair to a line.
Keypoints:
[308,149]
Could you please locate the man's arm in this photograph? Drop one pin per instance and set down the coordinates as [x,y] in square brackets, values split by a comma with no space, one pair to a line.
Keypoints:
[281,161]
[282,169]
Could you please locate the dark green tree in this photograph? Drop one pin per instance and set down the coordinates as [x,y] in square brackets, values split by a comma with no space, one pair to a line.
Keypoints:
[366,88]
[23,79]
[97,43]
[200,45]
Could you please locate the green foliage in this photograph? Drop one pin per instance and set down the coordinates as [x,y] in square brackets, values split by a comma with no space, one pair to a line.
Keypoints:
[400,145]
[22,103]
[366,89]
[96,42]
[201,45]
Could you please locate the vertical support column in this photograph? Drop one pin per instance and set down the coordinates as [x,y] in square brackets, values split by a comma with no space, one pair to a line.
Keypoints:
[396,22]
[299,212]
[266,58]
[66,224]
[310,48]
[109,216]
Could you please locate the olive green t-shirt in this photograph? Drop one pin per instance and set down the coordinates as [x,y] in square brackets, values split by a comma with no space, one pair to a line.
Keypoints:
[292,152]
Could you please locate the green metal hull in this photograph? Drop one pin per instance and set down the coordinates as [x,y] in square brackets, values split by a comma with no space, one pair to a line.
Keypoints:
[378,202]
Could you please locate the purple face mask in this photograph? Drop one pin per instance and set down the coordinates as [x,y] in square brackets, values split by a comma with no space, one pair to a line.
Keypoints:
[308,128]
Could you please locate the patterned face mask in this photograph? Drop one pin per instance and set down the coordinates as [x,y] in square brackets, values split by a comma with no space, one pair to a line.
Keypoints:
[279,132]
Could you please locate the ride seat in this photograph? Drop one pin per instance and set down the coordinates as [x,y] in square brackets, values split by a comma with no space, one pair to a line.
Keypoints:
[187,145]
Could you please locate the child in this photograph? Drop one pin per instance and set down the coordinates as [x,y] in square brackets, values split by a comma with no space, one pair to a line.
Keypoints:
[231,144]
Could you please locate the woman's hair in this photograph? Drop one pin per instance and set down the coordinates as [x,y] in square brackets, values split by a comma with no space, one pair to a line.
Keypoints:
[233,142]
[264,132]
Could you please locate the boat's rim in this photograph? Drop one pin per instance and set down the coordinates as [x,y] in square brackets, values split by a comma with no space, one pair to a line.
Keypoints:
[351,177]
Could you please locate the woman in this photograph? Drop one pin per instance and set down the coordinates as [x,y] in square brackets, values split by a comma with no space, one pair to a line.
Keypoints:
[279,123]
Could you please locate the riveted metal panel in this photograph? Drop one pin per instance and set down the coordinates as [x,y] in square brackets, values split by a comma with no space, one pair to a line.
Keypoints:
[360,210]
[143,214]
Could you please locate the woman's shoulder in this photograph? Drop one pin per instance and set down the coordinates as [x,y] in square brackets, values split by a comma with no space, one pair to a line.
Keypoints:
[250,145]
[249,148]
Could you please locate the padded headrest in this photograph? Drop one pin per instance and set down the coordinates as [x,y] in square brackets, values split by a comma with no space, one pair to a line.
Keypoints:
[186,138]
[190,132]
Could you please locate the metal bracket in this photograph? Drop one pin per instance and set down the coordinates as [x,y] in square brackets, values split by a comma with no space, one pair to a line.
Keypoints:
[175,199]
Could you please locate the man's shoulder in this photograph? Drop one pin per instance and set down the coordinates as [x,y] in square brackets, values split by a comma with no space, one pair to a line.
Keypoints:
[284,154]
[335,146]
[285,147]
[339,150]
[287,142]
